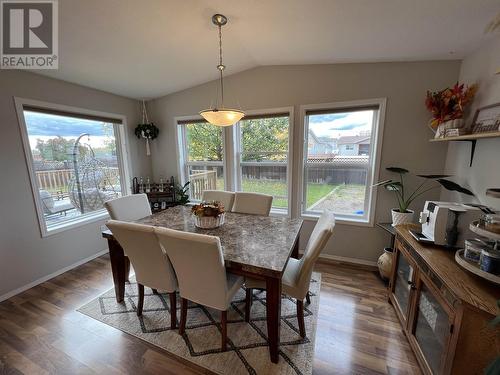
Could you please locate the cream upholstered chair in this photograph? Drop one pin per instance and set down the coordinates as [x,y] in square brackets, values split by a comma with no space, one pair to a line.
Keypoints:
[199,265]
[297,275]
[252,203]
[225,197]
[151,264]
[128,208]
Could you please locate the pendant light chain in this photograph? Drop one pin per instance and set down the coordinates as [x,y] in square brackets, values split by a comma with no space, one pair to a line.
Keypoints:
[221,67]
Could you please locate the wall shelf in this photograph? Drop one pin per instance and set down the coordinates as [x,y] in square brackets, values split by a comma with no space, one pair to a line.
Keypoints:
[472,138]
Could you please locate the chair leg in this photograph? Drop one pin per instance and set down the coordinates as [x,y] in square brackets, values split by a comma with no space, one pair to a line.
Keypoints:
[248,304]
[223,323]
[173,310]
[140,302]
[300,318]
[182,326]
[308,298]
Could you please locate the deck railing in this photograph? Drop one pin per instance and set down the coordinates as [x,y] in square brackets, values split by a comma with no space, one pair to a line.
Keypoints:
[58,179]
[201,181]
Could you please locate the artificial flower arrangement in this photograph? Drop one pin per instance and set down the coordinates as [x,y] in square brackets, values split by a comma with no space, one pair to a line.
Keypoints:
[208,214]
[449,104]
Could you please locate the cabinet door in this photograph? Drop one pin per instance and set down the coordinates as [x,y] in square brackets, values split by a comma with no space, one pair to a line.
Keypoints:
[431,326]
[402,283]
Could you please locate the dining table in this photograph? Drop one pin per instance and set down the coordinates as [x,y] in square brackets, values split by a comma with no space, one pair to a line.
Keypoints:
[253,246]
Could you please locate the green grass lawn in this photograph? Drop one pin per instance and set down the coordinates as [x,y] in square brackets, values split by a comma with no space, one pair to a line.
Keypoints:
[279,190]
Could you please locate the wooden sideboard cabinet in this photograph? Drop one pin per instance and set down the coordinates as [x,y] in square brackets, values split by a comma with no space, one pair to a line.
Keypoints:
[444,310]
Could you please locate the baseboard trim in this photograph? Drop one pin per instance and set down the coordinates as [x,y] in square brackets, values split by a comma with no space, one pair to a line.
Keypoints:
[51,276]
[354,262]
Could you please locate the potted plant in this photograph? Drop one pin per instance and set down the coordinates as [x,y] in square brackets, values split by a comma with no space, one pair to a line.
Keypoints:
[402,214]
[208,215]
[182,193]
[447,107]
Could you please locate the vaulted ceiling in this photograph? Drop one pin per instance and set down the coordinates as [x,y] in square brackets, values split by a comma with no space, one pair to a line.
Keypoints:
[149,48]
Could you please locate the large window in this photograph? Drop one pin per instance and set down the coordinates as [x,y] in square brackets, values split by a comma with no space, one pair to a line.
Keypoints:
[203,154]
[263,157]
[340,160]
[75,164]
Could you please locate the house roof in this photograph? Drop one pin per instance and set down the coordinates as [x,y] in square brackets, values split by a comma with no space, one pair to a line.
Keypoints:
[355,139]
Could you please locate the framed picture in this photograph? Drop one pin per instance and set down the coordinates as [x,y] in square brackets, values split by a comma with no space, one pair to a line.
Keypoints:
[487,119]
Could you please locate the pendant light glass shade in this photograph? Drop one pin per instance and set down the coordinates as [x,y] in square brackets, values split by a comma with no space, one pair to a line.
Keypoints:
[222,117]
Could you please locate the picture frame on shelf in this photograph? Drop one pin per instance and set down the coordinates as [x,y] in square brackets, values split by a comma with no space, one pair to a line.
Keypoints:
[486,119]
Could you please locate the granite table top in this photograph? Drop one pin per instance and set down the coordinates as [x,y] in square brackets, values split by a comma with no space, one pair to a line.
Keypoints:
[255,244]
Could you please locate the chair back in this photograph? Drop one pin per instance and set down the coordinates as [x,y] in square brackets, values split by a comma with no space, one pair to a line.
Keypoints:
[129,208]
[252,203]
[225,197]
[198,264]
[151,264]
[317,242]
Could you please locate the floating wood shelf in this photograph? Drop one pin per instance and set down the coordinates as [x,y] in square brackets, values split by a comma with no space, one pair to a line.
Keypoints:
[472,138]
[467,137]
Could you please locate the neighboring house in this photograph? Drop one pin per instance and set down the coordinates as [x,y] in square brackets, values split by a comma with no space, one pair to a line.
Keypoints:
[321,145]
[354,145]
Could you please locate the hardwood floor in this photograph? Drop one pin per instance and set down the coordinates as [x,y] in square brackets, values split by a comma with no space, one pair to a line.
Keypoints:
[41,333]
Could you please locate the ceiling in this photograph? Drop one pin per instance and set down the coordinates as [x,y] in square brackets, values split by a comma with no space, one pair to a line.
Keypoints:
[150,48]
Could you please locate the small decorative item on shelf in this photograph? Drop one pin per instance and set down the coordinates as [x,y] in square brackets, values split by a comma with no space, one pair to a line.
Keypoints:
[208,215]
[384,263]
[447,107]
[146,129]
[487,119]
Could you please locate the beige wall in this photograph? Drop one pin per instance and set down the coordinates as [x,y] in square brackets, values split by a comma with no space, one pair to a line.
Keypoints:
[479,67]
[405,140]
[24,255]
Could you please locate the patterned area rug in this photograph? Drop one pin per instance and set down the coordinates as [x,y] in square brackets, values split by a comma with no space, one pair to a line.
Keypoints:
[247,342]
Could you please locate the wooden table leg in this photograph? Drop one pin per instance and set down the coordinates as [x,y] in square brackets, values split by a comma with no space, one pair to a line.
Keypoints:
[118,267]
[295,250]
[273,311]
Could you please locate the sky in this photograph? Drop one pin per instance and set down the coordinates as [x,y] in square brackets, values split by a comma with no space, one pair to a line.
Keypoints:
[45,126]
[341,124]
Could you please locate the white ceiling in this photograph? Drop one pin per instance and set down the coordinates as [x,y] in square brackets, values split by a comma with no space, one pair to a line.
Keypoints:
[149,48]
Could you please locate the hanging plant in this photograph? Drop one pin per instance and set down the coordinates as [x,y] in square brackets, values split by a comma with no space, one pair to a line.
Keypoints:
[147,130]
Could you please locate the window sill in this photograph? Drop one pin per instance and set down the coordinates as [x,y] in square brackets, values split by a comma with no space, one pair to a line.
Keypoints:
[339,220]
[75,223]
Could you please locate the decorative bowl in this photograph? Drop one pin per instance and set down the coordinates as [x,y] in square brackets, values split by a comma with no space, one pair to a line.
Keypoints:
[208,222]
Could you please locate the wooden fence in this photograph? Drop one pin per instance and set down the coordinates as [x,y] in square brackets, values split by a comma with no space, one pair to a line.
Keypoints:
[201,181]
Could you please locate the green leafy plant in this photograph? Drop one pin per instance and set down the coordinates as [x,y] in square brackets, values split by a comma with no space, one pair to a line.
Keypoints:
[182,193]
[405,197]
[147,130]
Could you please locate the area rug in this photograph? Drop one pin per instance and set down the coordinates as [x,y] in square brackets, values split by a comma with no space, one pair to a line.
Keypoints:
[247,351]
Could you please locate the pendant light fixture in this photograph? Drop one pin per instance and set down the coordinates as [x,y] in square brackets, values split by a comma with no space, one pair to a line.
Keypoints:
[219,115]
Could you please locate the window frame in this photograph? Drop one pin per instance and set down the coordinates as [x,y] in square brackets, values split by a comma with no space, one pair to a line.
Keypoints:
[289,172]
[181,151]
[123,157]
[232,152]
[373,169]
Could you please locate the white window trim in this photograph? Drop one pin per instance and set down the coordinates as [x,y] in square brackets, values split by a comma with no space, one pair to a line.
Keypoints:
[289,171]
[181,149]
[232,174]
[123,160]
[373,169]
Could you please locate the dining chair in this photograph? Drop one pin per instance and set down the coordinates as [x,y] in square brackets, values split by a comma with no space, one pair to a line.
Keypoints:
[297,276]
[151,264]
[252,203]
[128,208]
[199,265]
[225,197]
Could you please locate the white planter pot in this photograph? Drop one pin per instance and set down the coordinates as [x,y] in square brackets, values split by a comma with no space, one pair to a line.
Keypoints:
[208,222]
[399,218]
[450,124]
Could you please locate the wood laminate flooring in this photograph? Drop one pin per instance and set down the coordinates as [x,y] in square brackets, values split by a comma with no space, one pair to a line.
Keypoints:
[41,332]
